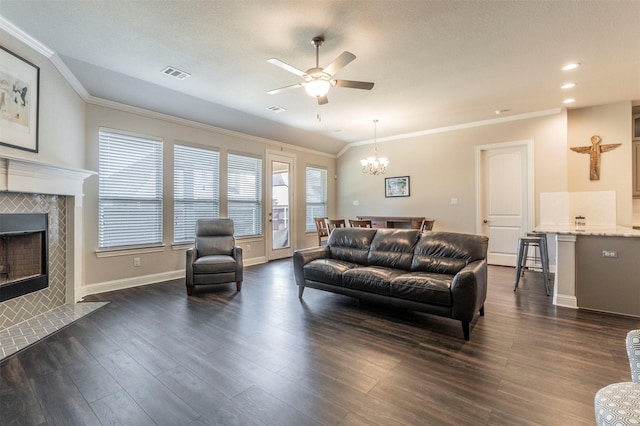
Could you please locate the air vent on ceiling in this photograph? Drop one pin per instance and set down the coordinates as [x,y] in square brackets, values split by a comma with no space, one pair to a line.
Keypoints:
[276,108]
[176,73]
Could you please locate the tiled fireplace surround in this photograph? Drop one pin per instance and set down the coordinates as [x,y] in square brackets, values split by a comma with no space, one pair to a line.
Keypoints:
[33,187]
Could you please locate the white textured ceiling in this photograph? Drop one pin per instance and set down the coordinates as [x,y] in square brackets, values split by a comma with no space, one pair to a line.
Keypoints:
[434,63]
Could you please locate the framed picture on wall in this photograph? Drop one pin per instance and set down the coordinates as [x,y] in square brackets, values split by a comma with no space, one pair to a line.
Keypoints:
[19,95]
[396,186]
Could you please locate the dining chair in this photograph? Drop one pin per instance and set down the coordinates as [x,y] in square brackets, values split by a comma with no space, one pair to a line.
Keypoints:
[354,223]
[427,225]
[321,229]
[335,223]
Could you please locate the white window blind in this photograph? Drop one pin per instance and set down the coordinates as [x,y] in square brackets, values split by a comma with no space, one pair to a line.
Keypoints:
[130,190]
[316,195]
[244,194]
[196,189]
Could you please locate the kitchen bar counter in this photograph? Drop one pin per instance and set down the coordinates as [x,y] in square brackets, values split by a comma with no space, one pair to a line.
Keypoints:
[602,231]
[596,268]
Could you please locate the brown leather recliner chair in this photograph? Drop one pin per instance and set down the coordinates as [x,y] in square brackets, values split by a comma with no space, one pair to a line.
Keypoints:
[215,258]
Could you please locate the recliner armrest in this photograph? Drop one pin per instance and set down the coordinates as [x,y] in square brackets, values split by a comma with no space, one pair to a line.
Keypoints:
[237,255]
[192,255]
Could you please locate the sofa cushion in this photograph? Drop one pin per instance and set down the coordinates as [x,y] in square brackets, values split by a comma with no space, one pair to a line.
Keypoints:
[351,244]
[447,252]
[393,248]
[372,279]
[327,270]
[425,287]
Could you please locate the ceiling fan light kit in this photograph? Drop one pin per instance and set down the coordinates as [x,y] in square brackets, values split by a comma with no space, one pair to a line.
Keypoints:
[317,80]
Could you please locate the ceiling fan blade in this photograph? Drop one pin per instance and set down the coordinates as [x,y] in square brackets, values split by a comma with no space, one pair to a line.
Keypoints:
[323,100]
[339,63]
[365,85]
[281,89]
[286,67]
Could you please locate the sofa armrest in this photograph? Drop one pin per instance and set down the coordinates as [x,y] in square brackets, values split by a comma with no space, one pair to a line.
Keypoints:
[304,256]
[469,290]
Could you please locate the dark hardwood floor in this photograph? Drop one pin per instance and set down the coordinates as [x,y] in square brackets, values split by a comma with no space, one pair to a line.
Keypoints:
[262,356]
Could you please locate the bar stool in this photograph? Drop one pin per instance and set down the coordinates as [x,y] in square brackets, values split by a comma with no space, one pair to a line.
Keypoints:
[524,243]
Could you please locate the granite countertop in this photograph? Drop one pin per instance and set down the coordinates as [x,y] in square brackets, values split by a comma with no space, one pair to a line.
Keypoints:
[602,231]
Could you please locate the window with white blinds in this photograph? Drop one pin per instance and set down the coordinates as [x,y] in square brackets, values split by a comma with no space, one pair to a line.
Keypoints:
[244,194]
[196,189]
[130,190]
[316,195]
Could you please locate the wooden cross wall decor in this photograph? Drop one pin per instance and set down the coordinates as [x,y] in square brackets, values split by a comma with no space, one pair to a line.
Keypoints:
[594,152]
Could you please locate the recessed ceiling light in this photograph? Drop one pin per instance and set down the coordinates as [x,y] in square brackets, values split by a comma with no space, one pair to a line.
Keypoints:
[568,86]
[572,66]
[568,101]
[501,111]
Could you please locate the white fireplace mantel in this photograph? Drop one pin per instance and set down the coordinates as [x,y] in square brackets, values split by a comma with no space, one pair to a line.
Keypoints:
[35,177]
[20,175]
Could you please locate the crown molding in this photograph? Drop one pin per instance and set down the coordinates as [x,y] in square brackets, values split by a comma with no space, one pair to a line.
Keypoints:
[455,127]
[198,125]
[16,32]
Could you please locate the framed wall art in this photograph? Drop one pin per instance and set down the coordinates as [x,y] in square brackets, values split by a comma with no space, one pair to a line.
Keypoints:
[396,186]
[19,95]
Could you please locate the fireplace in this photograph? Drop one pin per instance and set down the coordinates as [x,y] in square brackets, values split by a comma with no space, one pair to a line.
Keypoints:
[24,254]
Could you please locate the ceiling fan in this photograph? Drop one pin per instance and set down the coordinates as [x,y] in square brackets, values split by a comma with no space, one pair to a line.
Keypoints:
[318,81]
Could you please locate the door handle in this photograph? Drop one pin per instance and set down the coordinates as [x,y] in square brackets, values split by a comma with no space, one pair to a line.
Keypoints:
[485,221]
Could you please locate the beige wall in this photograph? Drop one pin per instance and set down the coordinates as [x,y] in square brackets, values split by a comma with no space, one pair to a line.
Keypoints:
[442,166]
[613,124]
[118,271]
[61,128]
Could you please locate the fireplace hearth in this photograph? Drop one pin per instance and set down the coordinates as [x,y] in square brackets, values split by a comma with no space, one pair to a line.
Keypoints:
[23,254]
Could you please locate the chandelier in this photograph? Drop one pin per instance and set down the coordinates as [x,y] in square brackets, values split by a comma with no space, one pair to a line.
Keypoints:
[374,165]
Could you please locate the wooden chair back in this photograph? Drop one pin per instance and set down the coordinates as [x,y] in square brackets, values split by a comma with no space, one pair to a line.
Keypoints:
[360,223]
[321,228]
[427,225]
[335,223]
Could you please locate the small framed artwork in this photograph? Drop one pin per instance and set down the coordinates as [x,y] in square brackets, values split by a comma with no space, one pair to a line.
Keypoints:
[396,186]
[636,127]
[19,95]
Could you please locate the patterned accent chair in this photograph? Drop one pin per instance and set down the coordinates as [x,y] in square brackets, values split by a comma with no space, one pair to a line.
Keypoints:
[215,258]
[619,404]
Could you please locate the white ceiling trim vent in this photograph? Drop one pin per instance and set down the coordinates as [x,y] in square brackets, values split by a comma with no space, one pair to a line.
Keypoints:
[176,73]
[276,109]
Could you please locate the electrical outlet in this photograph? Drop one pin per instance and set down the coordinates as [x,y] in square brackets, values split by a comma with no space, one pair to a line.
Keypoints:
[136,261]
[609,253]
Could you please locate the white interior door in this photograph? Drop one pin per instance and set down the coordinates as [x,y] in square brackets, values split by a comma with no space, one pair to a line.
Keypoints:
[504,198]
[279,218]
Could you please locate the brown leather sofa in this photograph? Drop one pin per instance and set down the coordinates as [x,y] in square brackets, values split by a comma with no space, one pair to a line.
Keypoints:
[440,273]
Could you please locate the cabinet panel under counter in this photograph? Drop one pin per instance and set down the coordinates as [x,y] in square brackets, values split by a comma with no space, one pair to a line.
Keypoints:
[608,274]
[596,268]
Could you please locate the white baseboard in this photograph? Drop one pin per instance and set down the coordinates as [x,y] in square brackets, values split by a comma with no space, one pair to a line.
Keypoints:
[255,261]
[145,279]
[565,300]
[129,282]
